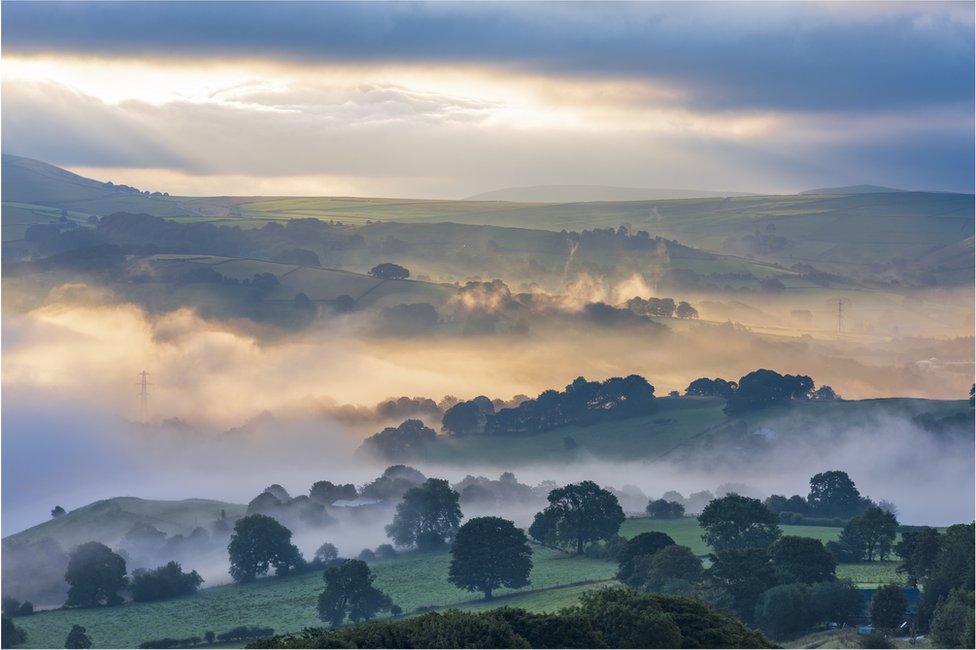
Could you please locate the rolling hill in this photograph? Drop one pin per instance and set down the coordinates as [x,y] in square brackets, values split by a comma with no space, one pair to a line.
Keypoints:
[109,520]
[915,238]
[588,193]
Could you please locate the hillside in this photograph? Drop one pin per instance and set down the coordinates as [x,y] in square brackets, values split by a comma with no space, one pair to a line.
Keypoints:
[35,183]
[866,232]
[852,189]
[587,193]
[109,520]
[413,580]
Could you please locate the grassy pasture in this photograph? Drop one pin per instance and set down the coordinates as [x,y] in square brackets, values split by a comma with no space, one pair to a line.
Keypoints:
[288,604]
[675,422]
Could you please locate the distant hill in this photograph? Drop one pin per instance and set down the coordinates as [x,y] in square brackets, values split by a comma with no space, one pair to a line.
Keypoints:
[107,521]
[29,181]
[853,189]
[589,193]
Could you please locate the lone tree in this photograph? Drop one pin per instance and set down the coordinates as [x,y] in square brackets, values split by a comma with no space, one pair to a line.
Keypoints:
[738,522]
[888,607]
[95,576]
[77,638]
[258,543]
[429,516]
[872,533]
[833,494]
[389,271]
[578,513]
[349,591]
[802,559]
[490,552]
[57,511]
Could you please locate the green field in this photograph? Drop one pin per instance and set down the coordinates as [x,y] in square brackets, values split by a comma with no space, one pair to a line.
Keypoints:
[413,580]
[288,604]
[109,520]
[676,422]
[687,532]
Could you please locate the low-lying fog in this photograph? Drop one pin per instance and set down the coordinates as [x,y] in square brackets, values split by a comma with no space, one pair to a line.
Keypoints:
[69,377]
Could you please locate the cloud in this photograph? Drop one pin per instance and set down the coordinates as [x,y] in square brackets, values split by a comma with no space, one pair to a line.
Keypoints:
[727,55]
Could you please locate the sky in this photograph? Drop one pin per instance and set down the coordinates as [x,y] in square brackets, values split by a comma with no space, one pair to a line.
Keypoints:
[447,100]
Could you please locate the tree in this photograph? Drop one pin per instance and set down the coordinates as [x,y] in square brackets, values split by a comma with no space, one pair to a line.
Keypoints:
[77,638]
[349,591]
[209,636]
[258,543]
[953,570]
[785,610]
[737,522]
[95,576]
[10,635]
[673,568]
[875,531]
[888,607]
[745,574]
[326,554]
[919,551]
[644,544]
[579,513]
[389,271]
[57,511]
[467,418]
[705,387]
[802,559]
[762,388]
[428,516]
[684,310]
[839,601]
[328,492]
[661,509]
[833,494]
[952,623]
[408,440]
[166,581]
[490,552]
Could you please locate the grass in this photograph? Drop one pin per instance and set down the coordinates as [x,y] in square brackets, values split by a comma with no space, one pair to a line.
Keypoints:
[674,423]
[289,604]
[413,580]
[687,532]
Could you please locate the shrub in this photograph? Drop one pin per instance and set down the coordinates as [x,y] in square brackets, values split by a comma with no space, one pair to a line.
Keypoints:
[163,582]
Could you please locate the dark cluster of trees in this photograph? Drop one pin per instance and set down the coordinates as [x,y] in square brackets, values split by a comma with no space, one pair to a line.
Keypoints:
[833,500]
[389,271]
[483,492]
[610,618]
[408,440]
[759,389]
[664,509]
[582,402]
[168,581]
[665,307]
[942,564]
[275,502]
[783,584]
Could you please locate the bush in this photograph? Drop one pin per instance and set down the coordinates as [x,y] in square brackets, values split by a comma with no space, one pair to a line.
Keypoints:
[661,509]
[608,618]
[167,581]
[245,632]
